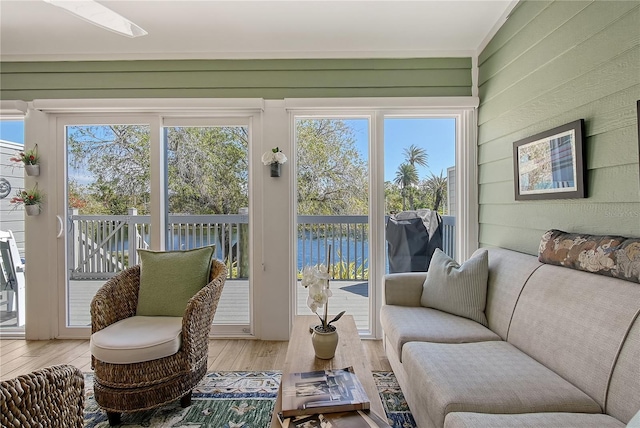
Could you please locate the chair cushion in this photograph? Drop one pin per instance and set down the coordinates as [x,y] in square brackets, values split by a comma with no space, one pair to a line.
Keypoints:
[459,290]
[168,279]
[487,377]
[137,339]
[531,420]
[403,324]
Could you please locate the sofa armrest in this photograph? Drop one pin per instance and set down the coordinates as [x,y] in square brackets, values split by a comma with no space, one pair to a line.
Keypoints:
[403,289]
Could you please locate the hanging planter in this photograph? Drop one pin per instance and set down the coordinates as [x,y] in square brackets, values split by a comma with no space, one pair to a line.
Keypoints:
[276,169]
[31,161]
[275,158]
[31,199]
[32,210]
[32,170]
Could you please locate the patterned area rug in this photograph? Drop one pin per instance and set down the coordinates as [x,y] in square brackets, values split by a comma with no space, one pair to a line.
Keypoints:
[235,400]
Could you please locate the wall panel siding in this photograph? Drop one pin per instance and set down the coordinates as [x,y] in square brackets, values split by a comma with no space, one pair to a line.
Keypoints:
[550,64]
[237,78]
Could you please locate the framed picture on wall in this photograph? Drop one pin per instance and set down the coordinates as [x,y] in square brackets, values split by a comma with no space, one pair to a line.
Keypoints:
[550,165]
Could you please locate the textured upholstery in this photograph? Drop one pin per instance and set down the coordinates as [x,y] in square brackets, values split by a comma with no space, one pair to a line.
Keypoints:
[407,324]
[459,289]
[575,323]
[623,400]
[145,385]
[137,339]
[572,348]
[52,397]
[487,377]
[508,272]
[404,289]
[530,420]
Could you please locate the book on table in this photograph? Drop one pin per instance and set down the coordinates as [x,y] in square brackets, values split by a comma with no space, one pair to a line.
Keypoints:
[353,419]
[322,391]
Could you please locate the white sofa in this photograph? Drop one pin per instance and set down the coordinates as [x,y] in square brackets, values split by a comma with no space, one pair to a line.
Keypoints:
[562,349]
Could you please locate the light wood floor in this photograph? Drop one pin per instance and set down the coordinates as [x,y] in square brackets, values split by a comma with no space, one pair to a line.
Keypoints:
[19,357]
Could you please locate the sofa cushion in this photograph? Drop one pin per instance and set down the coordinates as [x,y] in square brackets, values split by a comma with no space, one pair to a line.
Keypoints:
[458,289]
[403,324]
[168,279]
[530,420]
[623,397]
[487,377]
[508,273]
[575,323]
[137,339]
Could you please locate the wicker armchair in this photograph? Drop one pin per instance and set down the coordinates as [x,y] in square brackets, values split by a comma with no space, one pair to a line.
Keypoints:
[144,385]
[51,397]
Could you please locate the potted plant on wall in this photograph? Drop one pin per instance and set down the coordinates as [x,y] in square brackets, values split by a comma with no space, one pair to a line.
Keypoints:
[31,199]
[30,159]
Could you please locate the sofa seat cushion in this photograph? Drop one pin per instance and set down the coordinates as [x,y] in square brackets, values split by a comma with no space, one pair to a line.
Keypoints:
[137,339]
[402,324]
[531,420]
[487,377]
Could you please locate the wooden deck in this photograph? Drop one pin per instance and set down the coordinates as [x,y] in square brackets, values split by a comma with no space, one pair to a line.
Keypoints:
[233,308]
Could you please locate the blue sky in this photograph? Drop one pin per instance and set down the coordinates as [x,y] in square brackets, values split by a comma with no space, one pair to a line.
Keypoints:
[436,135]
[12,131]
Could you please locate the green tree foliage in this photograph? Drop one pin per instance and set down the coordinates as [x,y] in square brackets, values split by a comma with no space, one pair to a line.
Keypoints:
[117,158]
[437,189]
[416,155]
[406,178]
[332,176]
[208,170]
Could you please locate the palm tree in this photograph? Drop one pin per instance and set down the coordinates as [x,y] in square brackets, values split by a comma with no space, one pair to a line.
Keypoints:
[437,186]
[416,155]
[406,177]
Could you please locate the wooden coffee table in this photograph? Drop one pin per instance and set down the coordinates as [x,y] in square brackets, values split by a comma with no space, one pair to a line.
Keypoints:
[301,358]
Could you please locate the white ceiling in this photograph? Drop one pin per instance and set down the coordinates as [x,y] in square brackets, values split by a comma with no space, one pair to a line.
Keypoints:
[33,30]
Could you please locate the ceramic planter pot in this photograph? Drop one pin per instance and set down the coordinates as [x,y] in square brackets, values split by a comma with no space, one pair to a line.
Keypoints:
[275,169]
[32,209]
[324,343]
[32,170]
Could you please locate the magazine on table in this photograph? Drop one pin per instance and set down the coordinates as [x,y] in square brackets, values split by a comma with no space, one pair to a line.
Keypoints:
[322,391]
[354,419]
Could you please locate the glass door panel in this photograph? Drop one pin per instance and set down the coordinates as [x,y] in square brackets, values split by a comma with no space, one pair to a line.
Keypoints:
[108,196]
[208,204]
[332,181]
[12,228]
[419,174]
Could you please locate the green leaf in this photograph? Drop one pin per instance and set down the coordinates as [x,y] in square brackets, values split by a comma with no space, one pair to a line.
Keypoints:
[337,317]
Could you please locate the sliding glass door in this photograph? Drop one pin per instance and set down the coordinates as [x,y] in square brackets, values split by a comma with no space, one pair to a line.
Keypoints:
[207,204]
[332,182]
[154,183]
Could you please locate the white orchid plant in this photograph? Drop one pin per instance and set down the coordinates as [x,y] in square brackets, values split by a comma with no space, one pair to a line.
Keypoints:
[273,156]
[316,280]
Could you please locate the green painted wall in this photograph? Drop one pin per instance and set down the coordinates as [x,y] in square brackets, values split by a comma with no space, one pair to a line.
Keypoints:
[551,63]
[271,79]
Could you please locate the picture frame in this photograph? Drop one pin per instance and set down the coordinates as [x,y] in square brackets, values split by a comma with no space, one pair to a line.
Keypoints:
[551,164]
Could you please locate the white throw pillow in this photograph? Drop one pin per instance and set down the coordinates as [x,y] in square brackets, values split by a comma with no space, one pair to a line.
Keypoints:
[458,290]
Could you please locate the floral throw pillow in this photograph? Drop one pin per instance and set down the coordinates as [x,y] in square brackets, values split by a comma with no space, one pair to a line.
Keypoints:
[609,255]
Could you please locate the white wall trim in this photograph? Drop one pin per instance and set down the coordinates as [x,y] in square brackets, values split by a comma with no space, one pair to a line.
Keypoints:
[200,106]
[10,109]
[337,104]
[499,23]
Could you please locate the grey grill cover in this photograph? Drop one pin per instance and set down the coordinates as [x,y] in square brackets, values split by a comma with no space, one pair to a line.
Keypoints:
[412,238]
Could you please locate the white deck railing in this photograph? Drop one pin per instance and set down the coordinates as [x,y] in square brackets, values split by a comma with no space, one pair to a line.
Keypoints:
[99,244]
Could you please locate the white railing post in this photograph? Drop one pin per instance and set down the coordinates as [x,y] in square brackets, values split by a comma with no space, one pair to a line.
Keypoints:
[74,247]
[132,229]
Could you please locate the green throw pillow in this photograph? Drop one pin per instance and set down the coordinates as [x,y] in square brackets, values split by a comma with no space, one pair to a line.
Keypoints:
[168,279]
[458,290]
